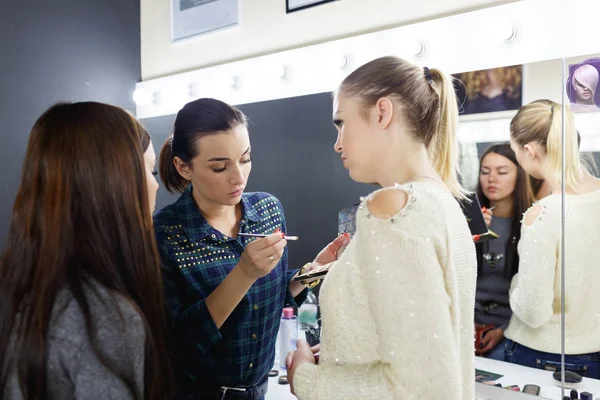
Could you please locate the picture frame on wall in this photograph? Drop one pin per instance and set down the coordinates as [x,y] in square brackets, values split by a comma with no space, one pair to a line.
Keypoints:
[583,86]
[494,90]
[297,5]
[191,18]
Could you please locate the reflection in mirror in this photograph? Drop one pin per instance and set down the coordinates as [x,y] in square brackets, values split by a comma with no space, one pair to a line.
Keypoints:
[582,216]
[518,300]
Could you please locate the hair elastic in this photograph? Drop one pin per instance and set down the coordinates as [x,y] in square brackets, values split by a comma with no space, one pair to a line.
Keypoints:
[427,75]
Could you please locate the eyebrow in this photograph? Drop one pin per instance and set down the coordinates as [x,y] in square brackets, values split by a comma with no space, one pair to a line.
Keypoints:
[228,159]
[495,167]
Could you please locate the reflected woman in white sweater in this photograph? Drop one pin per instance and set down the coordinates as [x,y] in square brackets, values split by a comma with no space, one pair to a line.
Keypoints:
[397,307]
[535,327]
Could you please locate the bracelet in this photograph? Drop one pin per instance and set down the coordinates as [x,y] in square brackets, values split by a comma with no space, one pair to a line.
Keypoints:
[303,271]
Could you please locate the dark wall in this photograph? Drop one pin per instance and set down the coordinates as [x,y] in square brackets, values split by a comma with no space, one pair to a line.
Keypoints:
[293,159]
[59,50]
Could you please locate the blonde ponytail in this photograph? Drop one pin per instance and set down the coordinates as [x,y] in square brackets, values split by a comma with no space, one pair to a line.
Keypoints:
[541,122]
[443,149]
[573,166]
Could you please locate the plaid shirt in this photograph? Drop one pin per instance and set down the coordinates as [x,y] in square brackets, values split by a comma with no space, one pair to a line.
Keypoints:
[196,259]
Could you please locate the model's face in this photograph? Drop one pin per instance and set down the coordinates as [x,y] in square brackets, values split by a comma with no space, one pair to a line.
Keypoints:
[360,137]
[220,171]
[151,183]
[583,92]
[497,177]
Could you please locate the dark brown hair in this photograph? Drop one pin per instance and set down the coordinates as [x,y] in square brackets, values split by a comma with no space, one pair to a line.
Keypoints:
[429,105]
[195,120]
[81,216]
[521,199]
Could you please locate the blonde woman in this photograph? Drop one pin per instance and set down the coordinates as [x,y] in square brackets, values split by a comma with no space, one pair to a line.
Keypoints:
[534,330]
[400,300]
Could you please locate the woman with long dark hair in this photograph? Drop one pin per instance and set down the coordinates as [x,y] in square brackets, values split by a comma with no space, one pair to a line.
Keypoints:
[81,300]
[503,187]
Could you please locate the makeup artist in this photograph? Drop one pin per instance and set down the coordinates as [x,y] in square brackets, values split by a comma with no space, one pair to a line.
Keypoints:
[224,293]
[503,187]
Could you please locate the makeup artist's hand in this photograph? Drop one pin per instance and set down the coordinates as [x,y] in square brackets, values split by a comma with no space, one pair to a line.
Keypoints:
[491,339]
[262,255]
[303,354]
[487,216]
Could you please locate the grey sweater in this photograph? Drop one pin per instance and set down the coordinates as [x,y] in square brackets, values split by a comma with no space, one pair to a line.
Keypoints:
[491,300]
[74,370]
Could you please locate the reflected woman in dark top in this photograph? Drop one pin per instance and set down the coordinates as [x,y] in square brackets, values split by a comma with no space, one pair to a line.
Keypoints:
[503,185]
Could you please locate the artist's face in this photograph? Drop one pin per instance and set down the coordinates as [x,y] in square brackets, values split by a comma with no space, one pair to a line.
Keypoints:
[220,171]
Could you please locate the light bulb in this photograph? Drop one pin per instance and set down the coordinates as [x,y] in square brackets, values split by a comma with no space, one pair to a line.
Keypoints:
[501,32]
[193,90]
[508,33]
[177,95]
[418,49]
[413,48]
[344,62]
[283,72]
[143,96]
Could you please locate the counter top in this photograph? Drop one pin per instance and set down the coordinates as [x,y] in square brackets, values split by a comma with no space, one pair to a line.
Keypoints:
[513,375]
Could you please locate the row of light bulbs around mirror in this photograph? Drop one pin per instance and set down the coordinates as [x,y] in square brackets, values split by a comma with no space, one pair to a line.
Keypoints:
[143,96]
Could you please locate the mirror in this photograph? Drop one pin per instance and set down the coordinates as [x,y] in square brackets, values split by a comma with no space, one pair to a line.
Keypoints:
[581,233]
[506,307]
[520,294]
[520,291]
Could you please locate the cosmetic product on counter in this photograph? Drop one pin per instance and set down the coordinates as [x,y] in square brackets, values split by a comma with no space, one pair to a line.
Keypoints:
[572,380]
[288,335]
[586,396]
[308,320]
[574,395]
[532,389]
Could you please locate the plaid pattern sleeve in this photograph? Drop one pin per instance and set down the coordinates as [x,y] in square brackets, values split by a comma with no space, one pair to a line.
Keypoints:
[289,299]
[204,325]
[196,258]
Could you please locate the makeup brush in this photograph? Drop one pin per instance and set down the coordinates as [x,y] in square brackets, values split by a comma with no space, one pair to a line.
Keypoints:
[260,235]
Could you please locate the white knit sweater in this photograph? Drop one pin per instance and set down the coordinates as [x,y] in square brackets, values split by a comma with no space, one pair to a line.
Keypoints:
[397,307]
[535,290]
